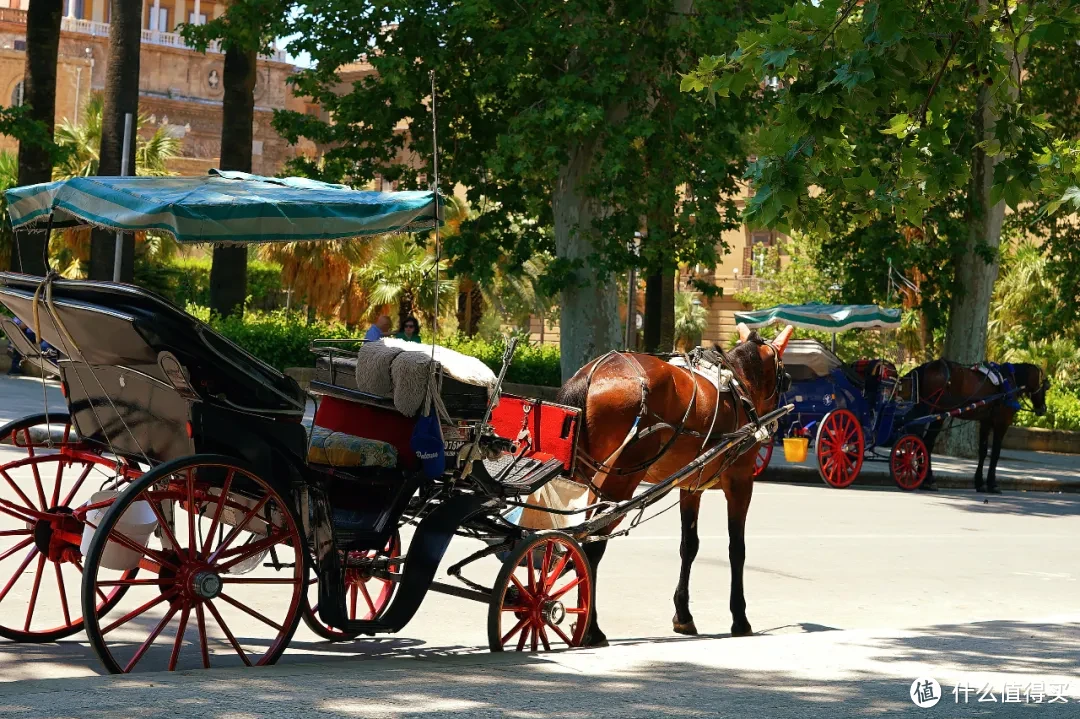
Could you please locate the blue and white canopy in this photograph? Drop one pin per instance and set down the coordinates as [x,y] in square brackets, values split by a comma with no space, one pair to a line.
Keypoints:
[827,318]
[223,207]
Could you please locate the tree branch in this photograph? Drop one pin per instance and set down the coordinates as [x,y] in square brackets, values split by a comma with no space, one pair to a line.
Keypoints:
[848,9]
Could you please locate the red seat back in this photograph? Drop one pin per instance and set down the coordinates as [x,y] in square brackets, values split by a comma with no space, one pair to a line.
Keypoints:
[364,420]
[552,428]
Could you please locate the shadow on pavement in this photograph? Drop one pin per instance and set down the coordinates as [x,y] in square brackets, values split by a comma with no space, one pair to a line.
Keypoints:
[827,674]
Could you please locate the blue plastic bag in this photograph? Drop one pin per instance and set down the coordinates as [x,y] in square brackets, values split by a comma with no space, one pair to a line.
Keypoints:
[427,443]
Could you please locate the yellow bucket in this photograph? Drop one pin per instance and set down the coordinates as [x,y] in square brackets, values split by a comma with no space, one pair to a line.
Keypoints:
[795,448]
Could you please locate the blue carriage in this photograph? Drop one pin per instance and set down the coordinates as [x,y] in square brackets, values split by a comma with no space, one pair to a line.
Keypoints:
[848,412]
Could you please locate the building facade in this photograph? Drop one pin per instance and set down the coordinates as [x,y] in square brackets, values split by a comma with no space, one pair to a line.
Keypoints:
[180,89]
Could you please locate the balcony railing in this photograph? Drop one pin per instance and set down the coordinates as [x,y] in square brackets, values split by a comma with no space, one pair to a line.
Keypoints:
[101,29]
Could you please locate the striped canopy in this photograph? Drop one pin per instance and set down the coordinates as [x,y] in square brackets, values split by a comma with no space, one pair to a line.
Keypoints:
[828,318]
[223,207]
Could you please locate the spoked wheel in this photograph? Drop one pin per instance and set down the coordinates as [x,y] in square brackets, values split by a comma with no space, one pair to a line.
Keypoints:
[45,476]
[366,596]
[839,447]
[541,606]
[223,570]
[764,454]
[909,462]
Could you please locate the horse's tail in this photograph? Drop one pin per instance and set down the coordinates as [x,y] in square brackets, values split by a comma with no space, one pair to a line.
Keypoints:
[574,391]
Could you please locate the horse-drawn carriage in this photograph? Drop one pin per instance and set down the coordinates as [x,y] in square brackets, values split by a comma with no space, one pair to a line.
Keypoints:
[183,493]
[865,411]
[849,412]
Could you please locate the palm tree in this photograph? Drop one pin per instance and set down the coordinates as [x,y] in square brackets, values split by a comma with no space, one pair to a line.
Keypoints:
[39,92]
[82,142]
[403,273]
[324,275]
[690,318]
[121,98]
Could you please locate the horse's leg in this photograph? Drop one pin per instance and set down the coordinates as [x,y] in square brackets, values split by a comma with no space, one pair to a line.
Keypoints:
[738,502]
[984,440]
[995,452]
[689,504]
[930,437]
[595,637]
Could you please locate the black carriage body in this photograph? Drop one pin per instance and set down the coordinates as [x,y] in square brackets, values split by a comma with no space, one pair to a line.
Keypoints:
[149,380]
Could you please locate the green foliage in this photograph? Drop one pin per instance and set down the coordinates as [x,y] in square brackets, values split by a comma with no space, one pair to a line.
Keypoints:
[245,25]
[403,273]
[1062,411]
[912,71]
[9,177]
[185,282]
[282,339]
[521,92]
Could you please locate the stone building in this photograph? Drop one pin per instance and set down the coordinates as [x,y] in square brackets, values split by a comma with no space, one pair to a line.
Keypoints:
[180,89]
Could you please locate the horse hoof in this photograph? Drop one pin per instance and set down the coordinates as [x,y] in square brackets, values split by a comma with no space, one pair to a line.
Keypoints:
[595,638]
[993,490]
[687,628]
[979,488]
[743,630]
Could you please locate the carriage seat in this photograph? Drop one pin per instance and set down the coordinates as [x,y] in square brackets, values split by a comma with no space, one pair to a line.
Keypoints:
[342,450]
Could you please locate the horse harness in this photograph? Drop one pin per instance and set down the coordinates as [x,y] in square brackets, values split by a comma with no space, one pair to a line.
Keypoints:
[934,398]
[726,381]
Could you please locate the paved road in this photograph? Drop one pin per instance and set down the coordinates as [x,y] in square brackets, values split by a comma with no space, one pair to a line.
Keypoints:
[949,580]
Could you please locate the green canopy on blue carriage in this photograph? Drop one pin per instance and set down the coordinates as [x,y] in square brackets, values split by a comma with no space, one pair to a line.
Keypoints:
[222,207]
[827,318]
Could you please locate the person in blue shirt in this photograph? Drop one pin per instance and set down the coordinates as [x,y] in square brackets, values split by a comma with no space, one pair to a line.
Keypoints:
[380,329]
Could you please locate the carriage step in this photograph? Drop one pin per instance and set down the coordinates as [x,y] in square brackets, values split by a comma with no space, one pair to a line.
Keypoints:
[535,478]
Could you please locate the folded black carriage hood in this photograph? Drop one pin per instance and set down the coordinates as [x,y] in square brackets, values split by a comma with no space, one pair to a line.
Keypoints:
[123,325]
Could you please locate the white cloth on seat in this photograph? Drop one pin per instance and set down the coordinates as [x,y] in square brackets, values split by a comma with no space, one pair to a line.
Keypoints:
[373,362]
[461,367]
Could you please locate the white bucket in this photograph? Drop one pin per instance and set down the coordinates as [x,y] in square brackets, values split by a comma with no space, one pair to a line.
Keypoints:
[138,523]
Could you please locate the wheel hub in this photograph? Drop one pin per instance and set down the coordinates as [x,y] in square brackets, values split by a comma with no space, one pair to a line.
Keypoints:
[206,584]
[553,612]
[59,536]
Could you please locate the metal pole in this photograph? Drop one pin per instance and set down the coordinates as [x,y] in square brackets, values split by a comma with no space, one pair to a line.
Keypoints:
[125,158]
[631,310]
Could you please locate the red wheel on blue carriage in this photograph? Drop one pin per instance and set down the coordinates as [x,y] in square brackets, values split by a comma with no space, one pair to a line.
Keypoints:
[909,462]
[222,569]
[543,605]
[839,446]
[366,596]
[47,476]
[764,454]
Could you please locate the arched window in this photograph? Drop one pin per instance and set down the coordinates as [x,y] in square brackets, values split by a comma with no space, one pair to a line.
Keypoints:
[17,95]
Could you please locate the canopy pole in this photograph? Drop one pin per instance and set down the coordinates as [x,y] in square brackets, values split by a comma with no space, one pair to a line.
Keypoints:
[834,343]
[438,217]
[125,158]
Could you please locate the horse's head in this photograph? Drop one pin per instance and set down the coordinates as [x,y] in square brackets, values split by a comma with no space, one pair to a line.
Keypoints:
[761,365]
[1033,381]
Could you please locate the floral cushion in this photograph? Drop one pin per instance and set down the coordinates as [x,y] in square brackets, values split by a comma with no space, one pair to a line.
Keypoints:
[339,449]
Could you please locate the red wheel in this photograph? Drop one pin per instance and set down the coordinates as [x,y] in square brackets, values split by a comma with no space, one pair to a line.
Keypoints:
[546,605]
[839,446]
[45,476]
[223,569]
[764,454]
[909,462]
[370,595]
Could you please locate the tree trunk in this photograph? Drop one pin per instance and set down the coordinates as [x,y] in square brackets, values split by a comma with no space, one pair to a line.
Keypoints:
[973,286]
[589,320]
[39,92]
[659,324]
[121,98]
[228,273]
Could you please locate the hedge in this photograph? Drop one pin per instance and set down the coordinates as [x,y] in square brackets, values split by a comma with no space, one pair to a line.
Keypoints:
[1062,412]
[282,339]
[187,282]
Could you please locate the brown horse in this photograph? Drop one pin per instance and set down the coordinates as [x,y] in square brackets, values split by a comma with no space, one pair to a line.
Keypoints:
[943,386]
[646,418]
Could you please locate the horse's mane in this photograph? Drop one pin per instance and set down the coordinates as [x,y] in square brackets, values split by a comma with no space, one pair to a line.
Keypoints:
[746,358]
